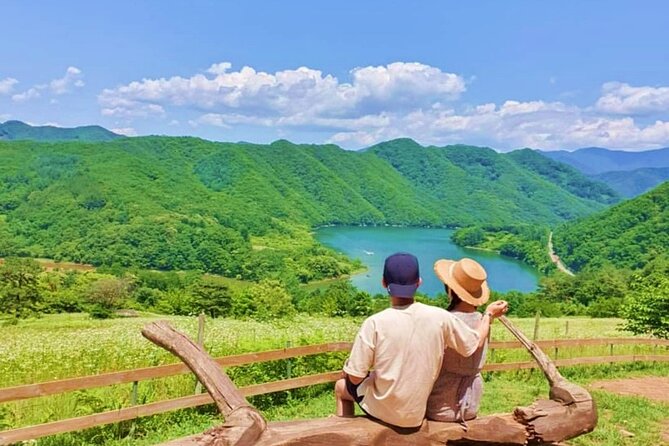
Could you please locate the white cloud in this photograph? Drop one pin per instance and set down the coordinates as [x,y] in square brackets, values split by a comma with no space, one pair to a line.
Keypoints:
[7,85]
[65,84]
[534,124]
[32,93]
[382,102]
[127,131]
[303,93]
[622,98]
[5,117]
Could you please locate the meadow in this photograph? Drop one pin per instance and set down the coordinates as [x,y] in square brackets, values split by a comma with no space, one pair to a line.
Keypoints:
[68,345]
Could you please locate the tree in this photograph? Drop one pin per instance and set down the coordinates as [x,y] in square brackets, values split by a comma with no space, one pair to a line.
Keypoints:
[107,295]
[211,296]
[19,286]
[647,305]
[263,301]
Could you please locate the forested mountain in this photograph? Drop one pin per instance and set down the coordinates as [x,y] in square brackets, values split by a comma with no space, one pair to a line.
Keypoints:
[478,185]
[565,176]
[242,209]
[595,160]
[629,234]
[634,182]
[17,130]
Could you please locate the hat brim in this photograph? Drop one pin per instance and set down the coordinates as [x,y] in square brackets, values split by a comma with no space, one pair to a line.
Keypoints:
[403,291]
[443,269]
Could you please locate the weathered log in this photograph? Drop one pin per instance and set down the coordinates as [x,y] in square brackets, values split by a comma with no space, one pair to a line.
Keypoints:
[578,409]
[570,412]
[244,423]
[362,431]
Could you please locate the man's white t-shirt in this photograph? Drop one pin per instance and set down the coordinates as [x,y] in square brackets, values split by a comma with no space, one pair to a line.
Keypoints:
[403,348]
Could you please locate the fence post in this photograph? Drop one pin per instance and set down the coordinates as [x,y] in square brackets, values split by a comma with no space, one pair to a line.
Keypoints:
[536,325]
[566,328]
[133,394]
[200,342]
[289,362]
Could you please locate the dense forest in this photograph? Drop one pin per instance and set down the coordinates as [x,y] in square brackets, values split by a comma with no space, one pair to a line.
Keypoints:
[244,210]
[628,235]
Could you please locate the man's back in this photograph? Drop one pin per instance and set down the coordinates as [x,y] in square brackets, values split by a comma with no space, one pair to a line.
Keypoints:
[404,346]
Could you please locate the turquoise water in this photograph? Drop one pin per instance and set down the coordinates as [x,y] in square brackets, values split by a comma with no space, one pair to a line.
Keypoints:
[373,244]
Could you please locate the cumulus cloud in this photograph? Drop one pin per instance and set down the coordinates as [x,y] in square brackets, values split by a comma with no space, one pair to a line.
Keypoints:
[7,85]
[537,124]
[301,92]
[622,98]
[32,93]
[400,99]
[71,79]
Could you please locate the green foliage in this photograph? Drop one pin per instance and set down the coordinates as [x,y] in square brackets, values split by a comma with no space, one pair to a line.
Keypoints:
[527,243]
[19,286]
[647,305]
[565,176]
[243,210]
[109,293]
[628,235]
[264,301]
[211,296]
[341,298]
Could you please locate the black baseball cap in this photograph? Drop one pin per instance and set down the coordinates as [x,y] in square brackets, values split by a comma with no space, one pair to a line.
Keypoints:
[401,274]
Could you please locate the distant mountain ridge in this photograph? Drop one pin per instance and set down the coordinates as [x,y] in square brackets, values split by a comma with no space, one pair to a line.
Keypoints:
[17,130]
[631,183]
[595,160]
[629,173]
[187,203]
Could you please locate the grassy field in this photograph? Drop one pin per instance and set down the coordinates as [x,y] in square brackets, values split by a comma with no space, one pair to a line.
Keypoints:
[62,346]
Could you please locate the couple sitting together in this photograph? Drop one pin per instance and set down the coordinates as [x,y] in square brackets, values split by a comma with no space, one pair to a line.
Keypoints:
[413,361]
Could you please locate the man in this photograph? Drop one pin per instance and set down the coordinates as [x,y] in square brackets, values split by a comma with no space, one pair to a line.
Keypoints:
[397,354]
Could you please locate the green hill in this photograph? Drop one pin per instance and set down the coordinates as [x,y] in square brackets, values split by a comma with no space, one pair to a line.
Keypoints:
[476,185]
[243,210]
[629,234]
[630,183]
[17,130]
[565,176]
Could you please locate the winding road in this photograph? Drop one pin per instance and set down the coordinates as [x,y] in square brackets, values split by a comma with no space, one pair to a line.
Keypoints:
[555,258]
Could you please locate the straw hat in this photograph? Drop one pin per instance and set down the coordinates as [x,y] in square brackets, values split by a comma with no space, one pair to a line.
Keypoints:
[466,278]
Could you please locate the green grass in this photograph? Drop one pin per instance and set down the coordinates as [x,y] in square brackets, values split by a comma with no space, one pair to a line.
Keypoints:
[61,346]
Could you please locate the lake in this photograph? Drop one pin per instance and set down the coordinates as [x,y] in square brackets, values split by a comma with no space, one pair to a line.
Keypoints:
[373,244]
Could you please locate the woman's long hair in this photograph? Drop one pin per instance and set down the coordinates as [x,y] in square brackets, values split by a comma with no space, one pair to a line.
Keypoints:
[454,298]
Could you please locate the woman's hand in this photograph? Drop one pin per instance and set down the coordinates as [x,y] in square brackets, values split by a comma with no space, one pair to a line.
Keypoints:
[497,308]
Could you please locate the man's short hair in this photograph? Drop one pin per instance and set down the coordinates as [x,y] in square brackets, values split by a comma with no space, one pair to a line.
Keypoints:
[401,275]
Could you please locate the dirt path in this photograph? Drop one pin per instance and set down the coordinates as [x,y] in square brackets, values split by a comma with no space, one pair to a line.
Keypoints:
[653,388]
[50,265]
[555,258]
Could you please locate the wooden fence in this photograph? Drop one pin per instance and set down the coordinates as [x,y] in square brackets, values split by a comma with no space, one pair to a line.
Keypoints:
[16,393]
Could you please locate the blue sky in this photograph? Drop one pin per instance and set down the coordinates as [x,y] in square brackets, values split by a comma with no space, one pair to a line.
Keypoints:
[503,74]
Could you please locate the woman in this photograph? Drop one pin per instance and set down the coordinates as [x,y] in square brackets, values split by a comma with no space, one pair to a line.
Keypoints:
[456,394]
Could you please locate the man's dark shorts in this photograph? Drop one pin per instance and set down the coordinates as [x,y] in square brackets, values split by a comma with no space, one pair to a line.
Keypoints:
[353,390]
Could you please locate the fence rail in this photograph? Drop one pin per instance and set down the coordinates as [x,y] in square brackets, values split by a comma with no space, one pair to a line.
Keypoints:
[73,424]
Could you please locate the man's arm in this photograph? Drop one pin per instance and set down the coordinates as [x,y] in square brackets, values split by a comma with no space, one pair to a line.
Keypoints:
[361,359]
